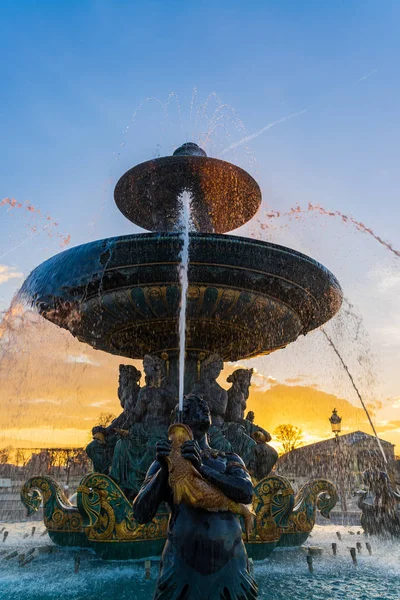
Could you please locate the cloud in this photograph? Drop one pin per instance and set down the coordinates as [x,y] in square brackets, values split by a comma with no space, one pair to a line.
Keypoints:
[7,273]
[100,403]
[387,426]
[364,77]
[81,358]
[43,401]
[263,130]
[262,382]
[294,379]
[388,281]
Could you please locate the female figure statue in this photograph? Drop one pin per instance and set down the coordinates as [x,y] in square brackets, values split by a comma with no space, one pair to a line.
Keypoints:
[234,428]
[101,449]
[135,452]
[204,555]
[247,439]
[216,398]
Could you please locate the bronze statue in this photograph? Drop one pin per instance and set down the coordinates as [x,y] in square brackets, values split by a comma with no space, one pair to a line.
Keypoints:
[216,398]
[204,555]
[156,399]
[379,504]
[190,487]
[135,452]
[128,391]
[247,439]
[238,394]
[101,449]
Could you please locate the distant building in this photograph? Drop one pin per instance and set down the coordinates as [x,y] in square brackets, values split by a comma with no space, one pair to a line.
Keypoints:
[356,451]
[342,461]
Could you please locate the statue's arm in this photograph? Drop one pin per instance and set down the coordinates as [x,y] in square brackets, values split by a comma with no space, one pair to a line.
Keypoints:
[118,422]
[140,408]
[235,482]
[153,491]
[224,401]
[251,428]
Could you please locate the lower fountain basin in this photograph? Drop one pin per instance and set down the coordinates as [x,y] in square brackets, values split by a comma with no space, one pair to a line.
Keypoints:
[245,298]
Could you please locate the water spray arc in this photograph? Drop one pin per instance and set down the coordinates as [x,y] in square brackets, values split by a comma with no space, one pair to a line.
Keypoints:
[345,367]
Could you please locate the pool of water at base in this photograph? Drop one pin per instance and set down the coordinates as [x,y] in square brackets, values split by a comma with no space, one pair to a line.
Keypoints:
[283,576]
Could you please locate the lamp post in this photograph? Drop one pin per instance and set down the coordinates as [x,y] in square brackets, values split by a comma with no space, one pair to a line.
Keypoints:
[336,425]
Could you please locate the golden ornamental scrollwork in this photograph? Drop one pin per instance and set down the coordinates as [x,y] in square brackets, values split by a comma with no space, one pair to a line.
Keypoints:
[107,514]
[59,514]
[318,493]
[273,502]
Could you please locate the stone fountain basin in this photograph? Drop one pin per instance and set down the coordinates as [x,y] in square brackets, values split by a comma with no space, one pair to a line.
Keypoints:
[122,294]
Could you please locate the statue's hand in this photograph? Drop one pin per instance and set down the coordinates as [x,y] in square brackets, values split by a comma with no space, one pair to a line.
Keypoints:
[191,451]
[163,450]
[124,433]
[266,434]
[99,429]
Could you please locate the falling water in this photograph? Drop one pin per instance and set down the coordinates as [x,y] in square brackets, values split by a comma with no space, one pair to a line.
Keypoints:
[356,390]
[184,282]
[297,212]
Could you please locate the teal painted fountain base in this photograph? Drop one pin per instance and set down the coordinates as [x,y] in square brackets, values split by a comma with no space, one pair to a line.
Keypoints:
[103,519]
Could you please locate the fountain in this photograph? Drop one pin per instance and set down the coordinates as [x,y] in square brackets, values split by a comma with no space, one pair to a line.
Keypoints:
[123,295]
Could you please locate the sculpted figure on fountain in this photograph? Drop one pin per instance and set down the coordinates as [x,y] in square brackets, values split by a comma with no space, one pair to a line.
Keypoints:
[101,449]
[247,439]
[216,398]
[379,504]
[135,451]
[230,431]
[204,555]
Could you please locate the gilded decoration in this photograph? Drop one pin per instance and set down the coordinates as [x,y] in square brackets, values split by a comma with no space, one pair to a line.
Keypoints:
[59,514]
[318,493]
[190,487]
[108,517]
[273,502]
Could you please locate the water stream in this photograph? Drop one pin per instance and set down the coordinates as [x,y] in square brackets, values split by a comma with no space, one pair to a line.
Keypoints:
[184,283]
[333,346]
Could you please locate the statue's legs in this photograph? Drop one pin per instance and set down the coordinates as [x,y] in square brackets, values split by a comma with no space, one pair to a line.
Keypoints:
[101,455]
[133,456]
[241,443]
[217,440]
[263,461]
[177,579]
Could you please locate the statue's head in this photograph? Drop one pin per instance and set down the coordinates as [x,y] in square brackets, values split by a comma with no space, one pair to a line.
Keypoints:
[212,366]
[196,414]
[128,376]
[241,378]
[250,416]
[155,369]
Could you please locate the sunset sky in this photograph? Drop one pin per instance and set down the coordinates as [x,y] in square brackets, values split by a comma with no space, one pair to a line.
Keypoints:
[302,95]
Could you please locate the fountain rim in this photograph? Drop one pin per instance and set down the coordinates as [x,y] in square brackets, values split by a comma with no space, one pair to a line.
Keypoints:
[192,235]
[67,276]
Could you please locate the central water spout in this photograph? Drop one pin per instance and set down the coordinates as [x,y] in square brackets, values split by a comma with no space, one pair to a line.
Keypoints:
[185,199]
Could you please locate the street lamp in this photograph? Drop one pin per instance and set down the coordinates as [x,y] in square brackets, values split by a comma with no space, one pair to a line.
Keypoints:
[336,423]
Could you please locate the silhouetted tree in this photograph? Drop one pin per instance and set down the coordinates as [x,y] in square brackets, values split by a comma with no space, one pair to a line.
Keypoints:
[289,436]
[5,454]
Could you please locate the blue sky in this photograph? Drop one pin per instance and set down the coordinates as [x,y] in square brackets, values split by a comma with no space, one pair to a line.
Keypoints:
[73,74]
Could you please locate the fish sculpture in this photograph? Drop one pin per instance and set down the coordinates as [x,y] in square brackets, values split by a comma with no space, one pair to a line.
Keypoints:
[191,488]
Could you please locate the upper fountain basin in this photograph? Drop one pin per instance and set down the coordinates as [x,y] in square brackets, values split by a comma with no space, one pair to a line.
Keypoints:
[245,298]
[223,196]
